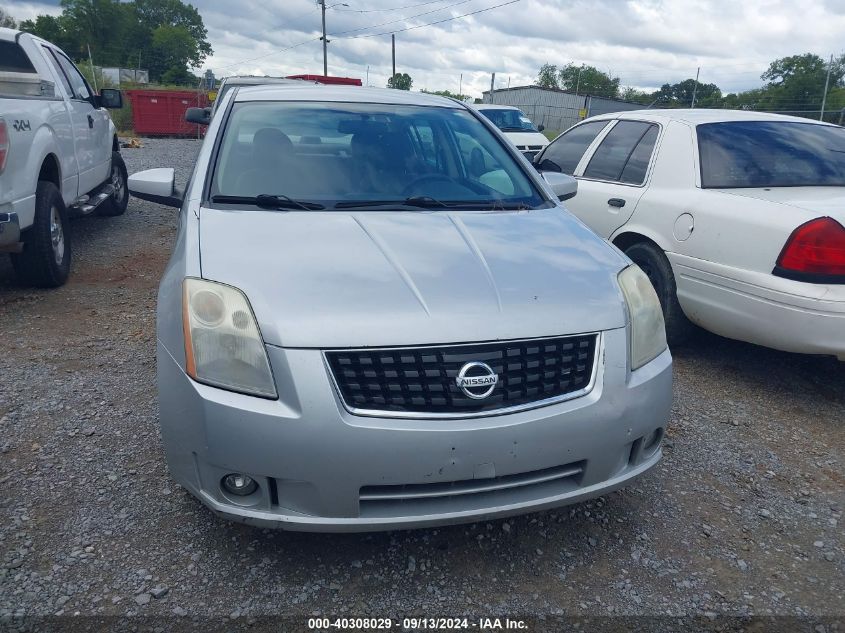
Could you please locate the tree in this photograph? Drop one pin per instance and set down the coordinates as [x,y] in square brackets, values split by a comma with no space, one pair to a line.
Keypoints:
[630,93]
[400,81]
[447,93]
[797,82]
[548,76]
[588,80]
[7,20]
[679,95]
[173,49]
[168,36]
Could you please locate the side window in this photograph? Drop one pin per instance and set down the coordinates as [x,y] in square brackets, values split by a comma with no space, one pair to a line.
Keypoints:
[635,169]
[58,71]
[565,153]
[611,157]
[77,81]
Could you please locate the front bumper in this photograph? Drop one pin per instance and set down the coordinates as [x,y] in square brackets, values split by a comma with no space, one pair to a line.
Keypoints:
[321,468]
[10,230]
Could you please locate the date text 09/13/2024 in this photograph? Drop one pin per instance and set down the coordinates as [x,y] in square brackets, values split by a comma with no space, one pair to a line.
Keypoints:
[418,623]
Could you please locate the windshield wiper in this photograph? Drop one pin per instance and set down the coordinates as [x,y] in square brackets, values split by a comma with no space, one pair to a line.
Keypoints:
[419,202]
[426,202]
[269,201]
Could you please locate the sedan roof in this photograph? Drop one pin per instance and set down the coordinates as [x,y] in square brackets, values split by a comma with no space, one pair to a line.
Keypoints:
[699,116]
[303,91]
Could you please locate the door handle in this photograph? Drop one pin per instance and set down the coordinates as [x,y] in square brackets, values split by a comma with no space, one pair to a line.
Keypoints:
[616,202]
[90,121]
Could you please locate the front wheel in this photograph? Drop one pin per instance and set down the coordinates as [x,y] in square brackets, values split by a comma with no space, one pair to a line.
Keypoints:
[117,202]
[45,260]
[657,268]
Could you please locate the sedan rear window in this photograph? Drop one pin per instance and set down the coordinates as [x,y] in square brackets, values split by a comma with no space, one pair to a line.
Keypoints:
[740,154]
[345,154]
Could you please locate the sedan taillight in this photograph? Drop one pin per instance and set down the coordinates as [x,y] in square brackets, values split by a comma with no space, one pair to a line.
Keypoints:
[815,252]
[4,145]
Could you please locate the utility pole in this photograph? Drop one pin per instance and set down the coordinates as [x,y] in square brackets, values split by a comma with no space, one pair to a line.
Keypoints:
[368,74]
[460,84]
[492,85]
[578,81]
[325,54]
[826,84]
[393,52]
[695,87]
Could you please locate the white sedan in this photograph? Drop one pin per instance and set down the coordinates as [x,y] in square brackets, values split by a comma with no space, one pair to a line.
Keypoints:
[736,217]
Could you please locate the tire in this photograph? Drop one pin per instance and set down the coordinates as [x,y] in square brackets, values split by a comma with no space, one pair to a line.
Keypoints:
[117,203]
[654,264]
[45,260]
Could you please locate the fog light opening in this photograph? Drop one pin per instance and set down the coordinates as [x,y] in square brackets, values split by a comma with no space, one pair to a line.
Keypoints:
[652,442]
[239,484]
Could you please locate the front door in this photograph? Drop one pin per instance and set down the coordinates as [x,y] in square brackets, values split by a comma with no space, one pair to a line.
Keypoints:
[90,129]
[612,179]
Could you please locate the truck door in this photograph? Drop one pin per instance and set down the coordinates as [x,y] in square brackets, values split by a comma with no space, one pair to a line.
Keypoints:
[60,121]
[90,128]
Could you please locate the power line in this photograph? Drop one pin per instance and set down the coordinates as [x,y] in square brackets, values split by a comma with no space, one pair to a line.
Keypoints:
[419,26]
[410,17]
[410,6]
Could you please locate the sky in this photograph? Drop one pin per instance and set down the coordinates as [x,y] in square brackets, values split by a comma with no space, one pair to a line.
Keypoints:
[644,42]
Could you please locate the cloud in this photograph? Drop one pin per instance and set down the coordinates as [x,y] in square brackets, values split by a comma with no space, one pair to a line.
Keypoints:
[644,42]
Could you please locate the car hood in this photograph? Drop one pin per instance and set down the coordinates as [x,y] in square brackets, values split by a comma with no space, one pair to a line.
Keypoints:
[340,279]
[527,138]
[818,201]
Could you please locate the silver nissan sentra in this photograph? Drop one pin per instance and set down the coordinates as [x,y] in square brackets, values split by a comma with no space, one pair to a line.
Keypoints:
[378,315]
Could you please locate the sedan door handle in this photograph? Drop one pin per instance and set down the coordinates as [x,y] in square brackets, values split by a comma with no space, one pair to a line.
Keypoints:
[616,202]
[90,121]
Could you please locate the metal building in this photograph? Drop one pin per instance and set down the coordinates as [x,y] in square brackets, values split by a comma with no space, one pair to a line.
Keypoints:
[556,109]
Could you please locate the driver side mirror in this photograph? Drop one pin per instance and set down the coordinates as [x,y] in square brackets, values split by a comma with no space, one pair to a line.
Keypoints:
[156,185]
[110,98]
[541,127]
[562,185]
[201,116]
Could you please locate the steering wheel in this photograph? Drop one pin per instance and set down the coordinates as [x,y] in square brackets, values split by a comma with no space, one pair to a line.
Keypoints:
[408,190]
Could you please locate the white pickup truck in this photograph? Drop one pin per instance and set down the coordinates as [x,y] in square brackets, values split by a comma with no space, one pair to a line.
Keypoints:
[59,156]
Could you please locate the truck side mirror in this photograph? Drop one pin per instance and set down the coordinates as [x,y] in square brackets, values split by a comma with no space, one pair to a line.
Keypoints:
[202,116]
[541,127]
[111,99]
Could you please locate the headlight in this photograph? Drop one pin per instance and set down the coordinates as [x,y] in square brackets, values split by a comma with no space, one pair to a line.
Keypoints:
[223,346]
[648,332]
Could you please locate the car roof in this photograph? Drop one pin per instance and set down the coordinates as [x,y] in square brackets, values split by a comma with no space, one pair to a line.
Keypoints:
[699,116]
[491,106]
[253,80]
[304,91]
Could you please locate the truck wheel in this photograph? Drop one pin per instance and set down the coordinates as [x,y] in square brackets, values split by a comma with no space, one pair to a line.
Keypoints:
[45,260]
[116,204]
[654,264]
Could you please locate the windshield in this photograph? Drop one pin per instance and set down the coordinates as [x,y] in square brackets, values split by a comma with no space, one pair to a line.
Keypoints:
[771,154]
[509,120]
[342,155]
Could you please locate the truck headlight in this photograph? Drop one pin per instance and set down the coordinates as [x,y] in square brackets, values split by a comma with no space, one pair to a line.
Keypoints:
[648,331]
[223,346]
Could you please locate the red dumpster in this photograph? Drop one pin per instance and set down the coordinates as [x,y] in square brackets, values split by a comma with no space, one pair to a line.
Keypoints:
[323,79]
[162,112]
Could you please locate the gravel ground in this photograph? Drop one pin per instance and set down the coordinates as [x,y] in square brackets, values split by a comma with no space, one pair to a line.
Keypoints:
[743,517]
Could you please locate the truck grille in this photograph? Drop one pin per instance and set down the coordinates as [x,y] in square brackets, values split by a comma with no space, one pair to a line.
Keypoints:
[420,381]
